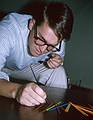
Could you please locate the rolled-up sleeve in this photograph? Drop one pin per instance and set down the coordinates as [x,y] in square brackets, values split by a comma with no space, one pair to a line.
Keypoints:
[4,76]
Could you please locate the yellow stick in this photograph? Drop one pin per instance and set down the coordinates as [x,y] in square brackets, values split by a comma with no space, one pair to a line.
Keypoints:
[68,107]
[53,105]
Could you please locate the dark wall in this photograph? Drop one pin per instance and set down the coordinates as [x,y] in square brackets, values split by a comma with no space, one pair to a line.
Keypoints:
[79,56]
[12,5]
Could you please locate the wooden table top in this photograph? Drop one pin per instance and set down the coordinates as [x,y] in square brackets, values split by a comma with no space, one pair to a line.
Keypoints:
[11,110]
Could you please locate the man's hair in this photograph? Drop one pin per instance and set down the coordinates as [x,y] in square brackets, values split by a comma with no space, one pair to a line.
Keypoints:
[58,15]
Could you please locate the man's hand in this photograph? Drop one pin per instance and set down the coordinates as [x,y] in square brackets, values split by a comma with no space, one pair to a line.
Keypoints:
[54,61]
[30,95]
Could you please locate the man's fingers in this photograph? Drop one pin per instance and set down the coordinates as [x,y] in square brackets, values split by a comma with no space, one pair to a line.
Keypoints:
[40,92]
[51,64]
[24,101]
[55,61]
[36,96]
[29,99]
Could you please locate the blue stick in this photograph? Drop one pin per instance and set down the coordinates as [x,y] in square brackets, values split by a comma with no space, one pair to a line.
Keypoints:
[62,105]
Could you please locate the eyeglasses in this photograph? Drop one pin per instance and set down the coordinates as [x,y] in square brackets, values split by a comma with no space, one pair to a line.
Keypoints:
[40,41]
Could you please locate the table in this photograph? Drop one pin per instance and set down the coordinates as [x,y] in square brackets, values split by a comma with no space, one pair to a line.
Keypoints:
[11,110]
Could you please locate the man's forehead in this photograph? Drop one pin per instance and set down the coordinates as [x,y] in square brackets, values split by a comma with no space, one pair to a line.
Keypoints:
[47,33]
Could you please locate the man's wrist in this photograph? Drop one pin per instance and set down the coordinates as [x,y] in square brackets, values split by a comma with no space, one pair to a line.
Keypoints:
[15,90]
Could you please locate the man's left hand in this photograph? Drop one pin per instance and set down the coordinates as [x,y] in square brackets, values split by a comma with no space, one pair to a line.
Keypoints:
[55,61]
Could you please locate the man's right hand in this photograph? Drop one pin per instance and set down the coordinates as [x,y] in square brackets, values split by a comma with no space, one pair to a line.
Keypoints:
[30,95]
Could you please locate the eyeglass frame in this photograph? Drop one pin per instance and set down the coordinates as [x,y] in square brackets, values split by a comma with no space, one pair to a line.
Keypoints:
[44,41]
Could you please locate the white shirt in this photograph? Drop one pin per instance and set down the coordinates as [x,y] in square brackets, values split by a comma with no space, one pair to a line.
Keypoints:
[13,44]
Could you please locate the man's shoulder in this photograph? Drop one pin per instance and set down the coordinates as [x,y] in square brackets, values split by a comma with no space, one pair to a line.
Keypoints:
[13,19]
[17,17]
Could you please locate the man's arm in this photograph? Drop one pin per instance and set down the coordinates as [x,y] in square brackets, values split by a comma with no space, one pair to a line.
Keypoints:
[29,94]
[8,89]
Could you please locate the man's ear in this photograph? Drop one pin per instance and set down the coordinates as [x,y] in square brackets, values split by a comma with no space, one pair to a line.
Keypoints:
[31,23]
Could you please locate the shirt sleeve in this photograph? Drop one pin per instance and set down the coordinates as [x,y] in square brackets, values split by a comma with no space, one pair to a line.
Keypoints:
[4,50]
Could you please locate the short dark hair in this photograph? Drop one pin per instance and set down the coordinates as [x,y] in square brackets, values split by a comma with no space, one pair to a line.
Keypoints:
[59,16]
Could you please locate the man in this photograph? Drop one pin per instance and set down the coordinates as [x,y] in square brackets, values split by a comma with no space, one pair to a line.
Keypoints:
[32,48]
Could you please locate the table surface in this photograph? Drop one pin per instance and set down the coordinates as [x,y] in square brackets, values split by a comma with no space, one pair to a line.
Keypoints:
[11,110]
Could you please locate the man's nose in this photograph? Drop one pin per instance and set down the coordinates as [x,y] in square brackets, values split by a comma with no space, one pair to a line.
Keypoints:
[43,48]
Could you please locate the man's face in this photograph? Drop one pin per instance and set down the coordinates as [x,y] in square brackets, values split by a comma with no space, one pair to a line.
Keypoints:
[42,39]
